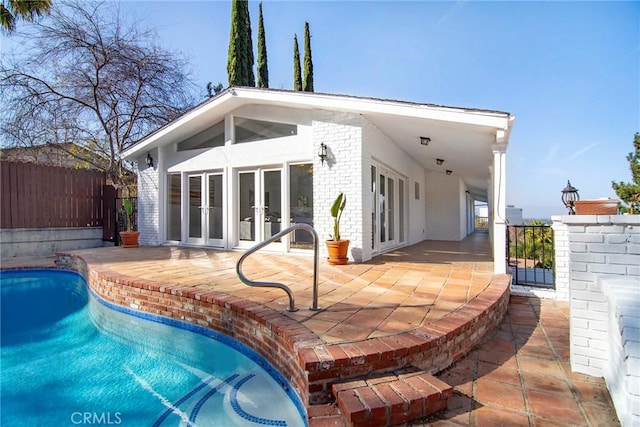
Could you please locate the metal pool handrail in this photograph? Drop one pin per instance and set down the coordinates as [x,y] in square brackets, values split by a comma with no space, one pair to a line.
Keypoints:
[292,304]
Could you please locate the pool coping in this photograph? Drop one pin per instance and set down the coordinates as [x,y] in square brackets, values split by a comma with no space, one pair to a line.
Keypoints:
[311,365]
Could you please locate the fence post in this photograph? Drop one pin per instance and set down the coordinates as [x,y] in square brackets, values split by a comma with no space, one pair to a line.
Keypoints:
[109,195]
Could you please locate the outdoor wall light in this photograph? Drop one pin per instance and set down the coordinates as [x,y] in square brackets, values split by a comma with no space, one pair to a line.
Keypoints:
[439,161]
[322,153]
[149,160]
[449,172]
[569,197]
[424,140]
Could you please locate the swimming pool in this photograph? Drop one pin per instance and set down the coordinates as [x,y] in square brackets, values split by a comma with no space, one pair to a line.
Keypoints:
[71,358]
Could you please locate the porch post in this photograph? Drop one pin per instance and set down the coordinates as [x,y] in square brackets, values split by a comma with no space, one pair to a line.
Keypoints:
[498,203]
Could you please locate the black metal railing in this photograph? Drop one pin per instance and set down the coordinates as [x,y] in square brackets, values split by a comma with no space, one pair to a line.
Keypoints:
[530,254]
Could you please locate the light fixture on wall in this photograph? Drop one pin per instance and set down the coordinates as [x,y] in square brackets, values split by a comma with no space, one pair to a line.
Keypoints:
[322,153]
[449,172]
[439,161]
[424,140]
[569,197]
[149,160]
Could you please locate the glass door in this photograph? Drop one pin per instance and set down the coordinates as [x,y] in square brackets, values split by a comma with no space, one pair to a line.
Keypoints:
[195,210]
[215,210]
[259,205]
[206,225]
[388,209]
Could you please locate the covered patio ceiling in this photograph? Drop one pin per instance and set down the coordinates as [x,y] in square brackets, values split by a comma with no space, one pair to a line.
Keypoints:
[464,148]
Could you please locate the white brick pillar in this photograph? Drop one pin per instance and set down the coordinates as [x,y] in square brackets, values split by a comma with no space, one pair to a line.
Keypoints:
[341,172]
[561,258]
[499,204]
[148,201]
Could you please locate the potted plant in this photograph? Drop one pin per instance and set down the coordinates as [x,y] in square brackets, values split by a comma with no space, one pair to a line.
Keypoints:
[129,238]
[337,247]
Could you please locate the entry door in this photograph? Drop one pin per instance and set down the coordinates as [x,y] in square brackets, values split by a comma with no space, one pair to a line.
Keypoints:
[260,206]
[206,210]
[388,210]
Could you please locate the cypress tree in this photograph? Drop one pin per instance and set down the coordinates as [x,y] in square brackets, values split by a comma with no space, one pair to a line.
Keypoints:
[297,78]
[308,62]
[240,57]
[263,72]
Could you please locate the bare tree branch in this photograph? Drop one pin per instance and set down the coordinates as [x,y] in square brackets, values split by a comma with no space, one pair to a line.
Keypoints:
[92,78]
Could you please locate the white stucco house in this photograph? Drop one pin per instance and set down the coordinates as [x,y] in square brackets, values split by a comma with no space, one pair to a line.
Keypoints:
[245,164]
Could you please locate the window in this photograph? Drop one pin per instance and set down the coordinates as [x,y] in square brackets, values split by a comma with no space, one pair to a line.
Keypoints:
[248,130]
[209,138]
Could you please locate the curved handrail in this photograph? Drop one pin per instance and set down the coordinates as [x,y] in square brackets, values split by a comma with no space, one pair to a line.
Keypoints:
[292,304]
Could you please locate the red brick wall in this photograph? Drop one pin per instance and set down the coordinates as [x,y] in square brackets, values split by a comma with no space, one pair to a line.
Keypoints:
[310,365]
[271,334]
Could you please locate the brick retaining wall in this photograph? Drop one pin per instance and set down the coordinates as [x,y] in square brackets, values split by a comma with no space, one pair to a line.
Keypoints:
[311,365]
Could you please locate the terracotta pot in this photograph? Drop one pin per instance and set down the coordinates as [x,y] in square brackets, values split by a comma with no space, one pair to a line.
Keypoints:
[129,239]
[338,251]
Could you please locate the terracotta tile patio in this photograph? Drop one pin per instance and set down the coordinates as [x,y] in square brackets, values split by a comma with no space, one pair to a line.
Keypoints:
[393,293]
[519,376]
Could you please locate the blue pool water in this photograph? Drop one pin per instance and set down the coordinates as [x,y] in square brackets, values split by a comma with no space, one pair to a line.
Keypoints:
[70,358]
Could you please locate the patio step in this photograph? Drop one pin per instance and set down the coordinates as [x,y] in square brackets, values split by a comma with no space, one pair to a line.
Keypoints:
[392,399]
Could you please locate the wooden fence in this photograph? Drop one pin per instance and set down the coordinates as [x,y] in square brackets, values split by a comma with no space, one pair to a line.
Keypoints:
[33,196]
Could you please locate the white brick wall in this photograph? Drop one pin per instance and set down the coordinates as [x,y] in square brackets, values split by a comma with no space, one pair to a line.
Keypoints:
[622,370]
[561,239]
[148,204]
[341,172]
[588,248]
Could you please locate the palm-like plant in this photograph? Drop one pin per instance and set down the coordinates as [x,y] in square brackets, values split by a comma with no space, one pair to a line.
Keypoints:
[27,10]
[336,212]
[128,209]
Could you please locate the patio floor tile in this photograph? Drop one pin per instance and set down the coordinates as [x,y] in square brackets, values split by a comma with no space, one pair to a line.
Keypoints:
[519,376]
[527,386]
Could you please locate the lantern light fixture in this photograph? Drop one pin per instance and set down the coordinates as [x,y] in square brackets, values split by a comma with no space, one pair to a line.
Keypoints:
[149,160]
[322,152]
[569,197]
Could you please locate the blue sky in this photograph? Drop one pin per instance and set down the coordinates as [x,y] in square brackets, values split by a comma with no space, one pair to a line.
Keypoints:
[568,71]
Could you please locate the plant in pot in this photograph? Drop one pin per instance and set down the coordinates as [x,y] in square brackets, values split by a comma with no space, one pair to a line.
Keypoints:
[337,247]
[129,238]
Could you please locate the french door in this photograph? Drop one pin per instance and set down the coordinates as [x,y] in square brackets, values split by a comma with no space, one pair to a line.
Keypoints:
[388,209]
[206,209]
[260,206]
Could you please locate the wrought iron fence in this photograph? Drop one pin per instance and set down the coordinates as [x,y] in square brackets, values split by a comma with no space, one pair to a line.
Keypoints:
[530,254]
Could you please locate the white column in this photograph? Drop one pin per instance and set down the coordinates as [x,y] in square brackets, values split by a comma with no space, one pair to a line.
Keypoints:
[499,204]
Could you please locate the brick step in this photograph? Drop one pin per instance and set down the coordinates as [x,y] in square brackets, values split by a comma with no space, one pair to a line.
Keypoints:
[392,399]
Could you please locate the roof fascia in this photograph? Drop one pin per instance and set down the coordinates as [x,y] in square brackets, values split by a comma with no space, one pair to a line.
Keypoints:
[496,120]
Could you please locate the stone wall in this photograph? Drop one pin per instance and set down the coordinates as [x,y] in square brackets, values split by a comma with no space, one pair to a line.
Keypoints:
[20,242]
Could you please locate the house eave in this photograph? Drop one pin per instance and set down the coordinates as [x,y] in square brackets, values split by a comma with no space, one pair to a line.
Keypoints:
[235,97]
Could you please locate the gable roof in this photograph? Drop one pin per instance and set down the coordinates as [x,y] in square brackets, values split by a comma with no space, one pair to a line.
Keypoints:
[234,97]
[464,137]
